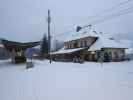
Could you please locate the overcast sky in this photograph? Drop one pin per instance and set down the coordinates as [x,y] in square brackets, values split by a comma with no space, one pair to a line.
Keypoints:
[25,20]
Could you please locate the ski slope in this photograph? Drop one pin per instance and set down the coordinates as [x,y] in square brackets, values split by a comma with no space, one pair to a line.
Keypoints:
[66,81]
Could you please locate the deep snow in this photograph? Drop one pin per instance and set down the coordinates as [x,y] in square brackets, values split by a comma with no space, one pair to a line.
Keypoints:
[66,81]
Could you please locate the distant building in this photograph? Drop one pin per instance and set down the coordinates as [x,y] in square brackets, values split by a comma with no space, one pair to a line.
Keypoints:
[34,52]
[4,54]
[129,53]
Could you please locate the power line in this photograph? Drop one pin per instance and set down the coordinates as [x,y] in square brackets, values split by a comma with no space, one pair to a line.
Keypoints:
[120,13]
[115,15]
[69,31]
[101,13]
[110,9]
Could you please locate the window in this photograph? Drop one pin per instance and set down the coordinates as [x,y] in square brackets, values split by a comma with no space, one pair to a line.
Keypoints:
[69,46]
[116,55]
[81,44]
[85,43]
[75,45]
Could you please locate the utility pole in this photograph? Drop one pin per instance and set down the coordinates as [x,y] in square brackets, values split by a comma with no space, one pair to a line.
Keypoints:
[49,37]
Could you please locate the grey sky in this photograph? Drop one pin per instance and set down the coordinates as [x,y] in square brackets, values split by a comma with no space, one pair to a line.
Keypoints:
[25,20]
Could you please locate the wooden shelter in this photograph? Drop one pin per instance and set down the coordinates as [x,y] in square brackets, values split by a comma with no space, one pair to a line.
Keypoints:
[17,49]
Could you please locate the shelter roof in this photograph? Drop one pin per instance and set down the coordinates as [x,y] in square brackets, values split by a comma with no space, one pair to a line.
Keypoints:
[18,45]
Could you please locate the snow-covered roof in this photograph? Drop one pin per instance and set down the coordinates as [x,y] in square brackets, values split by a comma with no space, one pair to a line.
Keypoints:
[63,50]
[77,35]
[105,42]
[83,34]
[127,43]
[86,32]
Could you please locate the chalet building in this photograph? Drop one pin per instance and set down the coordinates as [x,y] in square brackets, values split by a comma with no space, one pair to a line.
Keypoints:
[90,48]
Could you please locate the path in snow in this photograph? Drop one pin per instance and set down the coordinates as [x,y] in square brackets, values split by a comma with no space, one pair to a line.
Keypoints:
[66,81]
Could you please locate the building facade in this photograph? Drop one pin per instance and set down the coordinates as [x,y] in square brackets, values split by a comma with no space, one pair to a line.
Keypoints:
[91,49]
[80,43]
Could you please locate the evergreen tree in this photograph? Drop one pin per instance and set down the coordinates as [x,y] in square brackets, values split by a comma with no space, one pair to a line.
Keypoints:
[44,45]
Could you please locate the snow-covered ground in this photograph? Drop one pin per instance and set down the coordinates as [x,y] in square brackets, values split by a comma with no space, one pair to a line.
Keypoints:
[67,81]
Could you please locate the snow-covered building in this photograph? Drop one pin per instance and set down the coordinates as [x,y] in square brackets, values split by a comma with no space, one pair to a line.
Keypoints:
[74,48]
[91,46]
[107,49]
